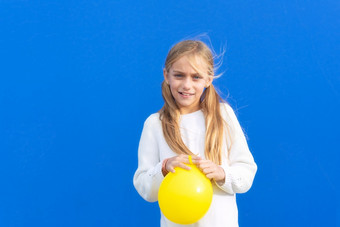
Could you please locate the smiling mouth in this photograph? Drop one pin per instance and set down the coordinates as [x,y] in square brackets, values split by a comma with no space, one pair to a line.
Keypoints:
[185,94]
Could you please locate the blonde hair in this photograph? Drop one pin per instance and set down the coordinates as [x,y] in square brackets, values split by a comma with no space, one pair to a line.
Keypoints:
[209,103]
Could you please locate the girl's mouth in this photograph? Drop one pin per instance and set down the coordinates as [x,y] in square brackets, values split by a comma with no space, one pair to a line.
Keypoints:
[185,94]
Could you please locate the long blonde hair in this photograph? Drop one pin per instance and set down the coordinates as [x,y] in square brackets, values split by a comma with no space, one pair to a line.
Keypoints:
[209,103]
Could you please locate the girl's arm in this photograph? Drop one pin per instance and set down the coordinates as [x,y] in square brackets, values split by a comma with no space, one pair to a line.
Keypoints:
[240,169]
[148,175]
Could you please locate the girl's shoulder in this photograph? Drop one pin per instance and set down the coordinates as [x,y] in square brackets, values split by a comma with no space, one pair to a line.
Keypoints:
[228,113]
[226,109]
[153,120]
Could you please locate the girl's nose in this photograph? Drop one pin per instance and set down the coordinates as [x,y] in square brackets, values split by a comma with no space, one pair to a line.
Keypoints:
[187,84]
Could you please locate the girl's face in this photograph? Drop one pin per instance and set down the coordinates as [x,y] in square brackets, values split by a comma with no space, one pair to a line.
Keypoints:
[186,83]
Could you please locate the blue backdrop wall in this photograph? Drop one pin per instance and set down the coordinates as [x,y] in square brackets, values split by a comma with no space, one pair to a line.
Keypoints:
[78,79]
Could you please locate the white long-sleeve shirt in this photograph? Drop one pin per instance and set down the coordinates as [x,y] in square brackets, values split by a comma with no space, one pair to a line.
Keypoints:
[238,165]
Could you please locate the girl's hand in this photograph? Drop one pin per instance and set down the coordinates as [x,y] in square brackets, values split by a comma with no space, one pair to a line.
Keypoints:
[180,161]
[211,170]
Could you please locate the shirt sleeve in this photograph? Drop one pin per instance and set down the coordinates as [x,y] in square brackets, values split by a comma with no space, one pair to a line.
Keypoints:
[241,168]
[148,175]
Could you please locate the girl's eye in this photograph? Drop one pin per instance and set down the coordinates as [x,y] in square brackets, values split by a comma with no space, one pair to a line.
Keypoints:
[197,77]
[178,75]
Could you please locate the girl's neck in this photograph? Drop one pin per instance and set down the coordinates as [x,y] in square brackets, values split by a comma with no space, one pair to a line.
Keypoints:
[188,113]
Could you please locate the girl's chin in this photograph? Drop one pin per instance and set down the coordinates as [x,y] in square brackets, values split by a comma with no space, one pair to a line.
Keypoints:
[185,104]
[188,106]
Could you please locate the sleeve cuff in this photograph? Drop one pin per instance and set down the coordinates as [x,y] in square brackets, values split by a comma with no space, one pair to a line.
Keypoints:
[226,185]
[157,174]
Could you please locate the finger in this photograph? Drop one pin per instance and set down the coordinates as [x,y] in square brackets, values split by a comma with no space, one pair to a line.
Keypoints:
[183,166]
[171,169]
[205,161]
[171,165]
[204,165]
[208,170]
[196,159]
[210,176]
[174,164]
[185,159]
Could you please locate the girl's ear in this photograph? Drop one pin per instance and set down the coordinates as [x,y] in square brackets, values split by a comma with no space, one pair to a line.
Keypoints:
[209,81]
[165,74]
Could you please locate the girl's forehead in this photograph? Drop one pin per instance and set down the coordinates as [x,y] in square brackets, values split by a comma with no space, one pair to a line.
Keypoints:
[191,62]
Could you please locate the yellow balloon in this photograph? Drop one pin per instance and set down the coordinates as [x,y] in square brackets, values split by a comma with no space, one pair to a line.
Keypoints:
[185,196]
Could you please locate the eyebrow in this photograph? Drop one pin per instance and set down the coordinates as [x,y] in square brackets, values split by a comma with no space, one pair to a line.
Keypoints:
[193,74]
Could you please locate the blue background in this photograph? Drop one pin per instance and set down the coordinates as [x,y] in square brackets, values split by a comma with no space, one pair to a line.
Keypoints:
[78,79]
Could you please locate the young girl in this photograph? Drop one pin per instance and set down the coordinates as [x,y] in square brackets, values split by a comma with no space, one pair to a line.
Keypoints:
[195,121]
